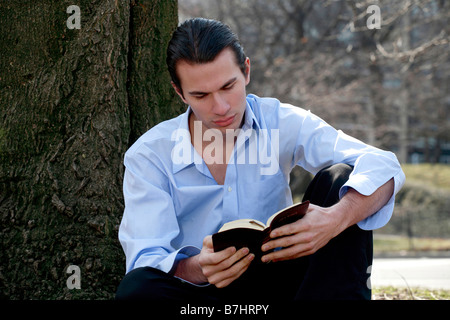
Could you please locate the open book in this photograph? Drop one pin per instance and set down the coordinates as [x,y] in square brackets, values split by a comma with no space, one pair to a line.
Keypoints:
[253,234]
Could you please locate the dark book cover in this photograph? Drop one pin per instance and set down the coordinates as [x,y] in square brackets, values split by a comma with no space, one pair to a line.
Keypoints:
[252,233]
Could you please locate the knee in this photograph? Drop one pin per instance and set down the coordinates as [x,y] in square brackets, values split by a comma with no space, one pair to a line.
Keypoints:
[335,176]
[337,173]
[137,284]
[129,285]
[324,189]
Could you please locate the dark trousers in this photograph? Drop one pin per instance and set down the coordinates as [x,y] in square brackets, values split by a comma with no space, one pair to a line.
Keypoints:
[337,271]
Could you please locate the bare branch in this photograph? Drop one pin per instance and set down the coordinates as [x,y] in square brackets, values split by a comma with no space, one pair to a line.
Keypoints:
[410,55]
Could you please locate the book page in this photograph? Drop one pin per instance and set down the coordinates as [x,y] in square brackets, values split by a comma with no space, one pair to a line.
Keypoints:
[243,223]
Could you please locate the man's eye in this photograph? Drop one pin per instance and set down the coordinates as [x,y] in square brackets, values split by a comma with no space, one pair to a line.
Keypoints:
[229,87]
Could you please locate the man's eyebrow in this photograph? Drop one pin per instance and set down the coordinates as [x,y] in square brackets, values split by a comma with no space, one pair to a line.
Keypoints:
[229,82]
[195,93]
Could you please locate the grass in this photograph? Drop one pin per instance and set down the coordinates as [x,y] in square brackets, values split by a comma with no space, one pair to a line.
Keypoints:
[394,293]
[401,244]
[433,175]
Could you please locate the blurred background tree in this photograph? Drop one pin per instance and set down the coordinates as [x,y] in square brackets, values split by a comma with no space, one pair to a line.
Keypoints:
[388,87]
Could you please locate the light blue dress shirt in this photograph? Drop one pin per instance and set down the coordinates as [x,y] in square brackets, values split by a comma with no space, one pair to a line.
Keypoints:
[172,201]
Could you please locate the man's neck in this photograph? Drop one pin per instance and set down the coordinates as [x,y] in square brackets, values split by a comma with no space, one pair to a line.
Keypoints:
[213,145]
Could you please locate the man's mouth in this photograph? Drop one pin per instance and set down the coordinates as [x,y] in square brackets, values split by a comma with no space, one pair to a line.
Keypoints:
[225,121]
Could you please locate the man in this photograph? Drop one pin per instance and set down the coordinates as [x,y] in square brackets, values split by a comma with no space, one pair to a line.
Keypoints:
[228,157]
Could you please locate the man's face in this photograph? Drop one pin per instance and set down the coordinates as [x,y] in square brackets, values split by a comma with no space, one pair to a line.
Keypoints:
[215,91]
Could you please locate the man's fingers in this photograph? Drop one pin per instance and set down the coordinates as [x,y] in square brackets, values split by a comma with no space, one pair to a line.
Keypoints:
[223,267]
[289,253]
[287,241]
[302,225]
[215,258]
[234,272]
[292,246]
[223,260]
[229,269]
[234,258]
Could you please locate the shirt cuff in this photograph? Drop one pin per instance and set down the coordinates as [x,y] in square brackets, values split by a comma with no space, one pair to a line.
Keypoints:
[169,264]
[366,187]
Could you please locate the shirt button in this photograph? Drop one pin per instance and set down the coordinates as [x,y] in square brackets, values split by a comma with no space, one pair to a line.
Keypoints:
[230,189]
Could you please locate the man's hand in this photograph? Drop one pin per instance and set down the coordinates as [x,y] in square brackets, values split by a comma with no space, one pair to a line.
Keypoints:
[223,267]
[303,237]
[218,268]
[320,225]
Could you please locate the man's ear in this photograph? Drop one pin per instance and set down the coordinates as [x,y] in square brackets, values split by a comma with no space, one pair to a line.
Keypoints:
[247,71]
[178,91]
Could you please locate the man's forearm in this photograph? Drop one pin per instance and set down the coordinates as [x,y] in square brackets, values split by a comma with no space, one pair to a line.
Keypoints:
[355,207]
[320,225]
[189,269]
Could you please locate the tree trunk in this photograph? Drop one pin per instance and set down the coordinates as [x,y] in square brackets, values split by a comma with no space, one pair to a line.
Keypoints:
[72,101]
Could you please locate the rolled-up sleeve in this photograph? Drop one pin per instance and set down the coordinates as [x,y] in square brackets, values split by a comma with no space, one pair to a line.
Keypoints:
[373,167]
[320,145]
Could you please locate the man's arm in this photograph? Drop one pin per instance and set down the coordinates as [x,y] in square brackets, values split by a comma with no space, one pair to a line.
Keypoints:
[320,225]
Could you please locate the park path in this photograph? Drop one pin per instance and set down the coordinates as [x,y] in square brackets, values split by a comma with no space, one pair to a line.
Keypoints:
[430,273]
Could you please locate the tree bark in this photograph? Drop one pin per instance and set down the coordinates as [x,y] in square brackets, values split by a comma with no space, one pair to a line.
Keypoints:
[72,101]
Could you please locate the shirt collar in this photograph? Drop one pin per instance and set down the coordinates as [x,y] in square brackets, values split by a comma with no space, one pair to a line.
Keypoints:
[250,122]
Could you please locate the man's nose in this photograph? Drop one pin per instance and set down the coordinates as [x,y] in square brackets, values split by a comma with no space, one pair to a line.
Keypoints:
[220,107]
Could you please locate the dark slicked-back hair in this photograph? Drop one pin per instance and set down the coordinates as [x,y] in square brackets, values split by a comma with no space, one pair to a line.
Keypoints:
[199,41]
